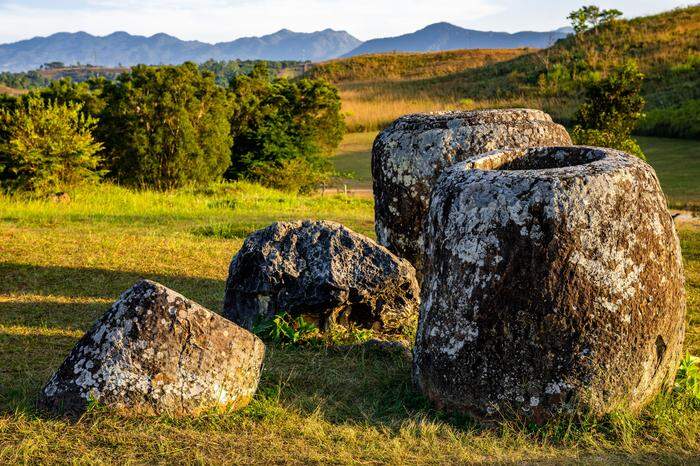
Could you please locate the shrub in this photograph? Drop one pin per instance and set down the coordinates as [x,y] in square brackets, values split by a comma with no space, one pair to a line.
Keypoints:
[283,129]
[47,147]
[611,110]
[298,175]
[165,127]
[688,377]
[594,137]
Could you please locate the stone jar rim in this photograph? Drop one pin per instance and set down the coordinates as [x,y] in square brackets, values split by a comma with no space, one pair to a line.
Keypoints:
[550,162]
[480,117]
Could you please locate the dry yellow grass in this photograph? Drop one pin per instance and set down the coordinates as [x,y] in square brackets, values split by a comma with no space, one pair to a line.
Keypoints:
[11,91]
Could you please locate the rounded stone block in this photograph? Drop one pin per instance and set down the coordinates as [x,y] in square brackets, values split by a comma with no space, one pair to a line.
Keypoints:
[408,157]
[324,272]
[157,352]
[555,285]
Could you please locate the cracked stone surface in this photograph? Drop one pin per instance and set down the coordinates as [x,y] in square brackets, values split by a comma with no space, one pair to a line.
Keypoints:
[555,285]
[408,157]
[157,352]
[323,271]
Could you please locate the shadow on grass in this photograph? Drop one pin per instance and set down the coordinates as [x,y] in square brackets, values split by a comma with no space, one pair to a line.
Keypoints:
[40,330]
[72,282]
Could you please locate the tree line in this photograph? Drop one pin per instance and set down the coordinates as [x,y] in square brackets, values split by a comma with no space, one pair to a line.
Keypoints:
[166,127]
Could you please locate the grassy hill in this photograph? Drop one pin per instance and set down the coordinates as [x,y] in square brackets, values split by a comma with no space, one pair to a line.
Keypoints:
[11,91]
[666,47]
[410,65]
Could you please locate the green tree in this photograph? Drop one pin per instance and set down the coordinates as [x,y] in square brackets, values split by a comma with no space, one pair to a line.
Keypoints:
[47,147]
[277,121]
[88,94]
[589,17]
[165,127]
[611,110]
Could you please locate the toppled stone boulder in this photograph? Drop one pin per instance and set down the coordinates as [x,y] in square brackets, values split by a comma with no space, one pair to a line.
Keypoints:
[408,157]
[555,285]
[324,272]
[157,352]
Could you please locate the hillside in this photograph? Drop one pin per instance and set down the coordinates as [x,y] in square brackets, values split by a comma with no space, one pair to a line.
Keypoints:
[123,49]
[446,36]
[409,65]
[666,47]
[4,90]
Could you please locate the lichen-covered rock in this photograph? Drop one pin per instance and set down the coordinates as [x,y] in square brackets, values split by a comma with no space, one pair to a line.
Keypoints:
[408,157]
[324,272]
[555,284]
[157,352]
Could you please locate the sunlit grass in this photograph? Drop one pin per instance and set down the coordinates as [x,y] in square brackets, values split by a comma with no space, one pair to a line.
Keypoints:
[62,264]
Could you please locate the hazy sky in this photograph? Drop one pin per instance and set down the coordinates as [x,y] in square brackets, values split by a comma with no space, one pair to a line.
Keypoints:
[224,20]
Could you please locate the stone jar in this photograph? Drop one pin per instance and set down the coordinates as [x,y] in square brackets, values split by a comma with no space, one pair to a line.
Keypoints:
[555,285]
[324,272]
[408,157]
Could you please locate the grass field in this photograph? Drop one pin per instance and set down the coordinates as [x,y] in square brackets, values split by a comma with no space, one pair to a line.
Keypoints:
[63,263]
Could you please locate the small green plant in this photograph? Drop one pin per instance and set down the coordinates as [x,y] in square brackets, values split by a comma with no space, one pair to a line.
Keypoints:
[688,377]
[284,329]
[342,335]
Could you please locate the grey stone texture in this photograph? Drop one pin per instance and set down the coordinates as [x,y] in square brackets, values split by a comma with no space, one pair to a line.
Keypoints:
[555,285]
[409,156]
[157,352]
[323,271]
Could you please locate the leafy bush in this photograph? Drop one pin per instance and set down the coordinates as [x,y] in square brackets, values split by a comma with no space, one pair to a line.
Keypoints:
[677,122]
[594,137]
[165,127]
[47,147]
[611,110]
[283,129]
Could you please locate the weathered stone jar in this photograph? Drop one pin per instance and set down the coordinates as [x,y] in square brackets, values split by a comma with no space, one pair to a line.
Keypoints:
[324,272]
[408,157]
[555,285]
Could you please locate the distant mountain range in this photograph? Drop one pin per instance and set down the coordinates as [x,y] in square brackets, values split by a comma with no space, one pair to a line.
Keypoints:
[446,36]
[121,48]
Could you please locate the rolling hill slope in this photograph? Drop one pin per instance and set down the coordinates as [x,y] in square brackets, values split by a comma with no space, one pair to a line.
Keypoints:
[666,47]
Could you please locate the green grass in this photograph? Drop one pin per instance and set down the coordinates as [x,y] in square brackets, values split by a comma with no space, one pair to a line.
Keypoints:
[62,264]
[353,159]
[677,163]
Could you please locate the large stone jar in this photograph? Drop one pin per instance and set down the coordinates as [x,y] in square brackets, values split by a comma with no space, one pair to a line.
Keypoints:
[408,157]
[555,285]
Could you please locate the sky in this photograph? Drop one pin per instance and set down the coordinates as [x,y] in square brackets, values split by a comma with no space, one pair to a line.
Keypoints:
[225,20]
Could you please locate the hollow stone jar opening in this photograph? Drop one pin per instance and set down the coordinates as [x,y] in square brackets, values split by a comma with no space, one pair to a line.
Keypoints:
[543,158]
